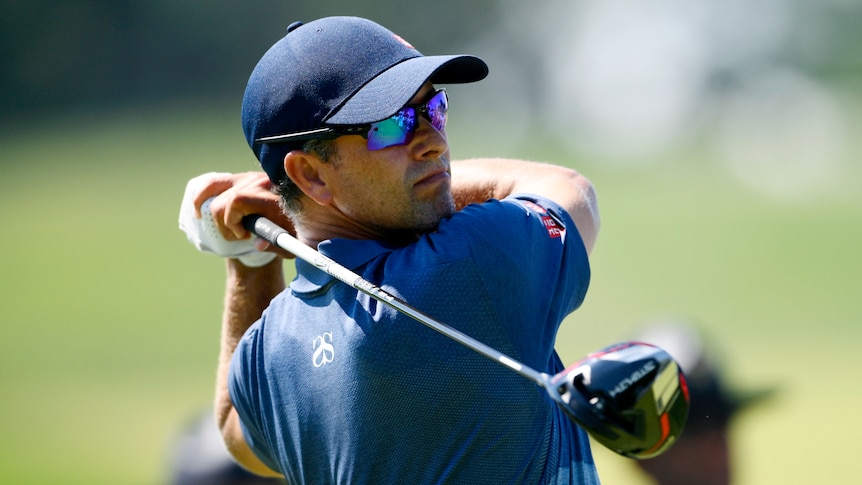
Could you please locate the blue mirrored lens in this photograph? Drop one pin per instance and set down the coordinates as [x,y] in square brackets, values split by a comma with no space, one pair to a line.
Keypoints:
[399,129]
[437,109]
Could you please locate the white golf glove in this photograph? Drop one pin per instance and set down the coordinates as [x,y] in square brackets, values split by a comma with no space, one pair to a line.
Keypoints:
[205,236]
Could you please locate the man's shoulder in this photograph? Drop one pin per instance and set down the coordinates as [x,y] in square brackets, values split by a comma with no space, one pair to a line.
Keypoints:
[517,219]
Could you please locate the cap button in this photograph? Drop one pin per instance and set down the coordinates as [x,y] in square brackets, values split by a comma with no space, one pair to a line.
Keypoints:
[293,26]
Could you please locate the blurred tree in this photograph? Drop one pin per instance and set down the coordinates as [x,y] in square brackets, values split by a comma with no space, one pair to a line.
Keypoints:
[100,53]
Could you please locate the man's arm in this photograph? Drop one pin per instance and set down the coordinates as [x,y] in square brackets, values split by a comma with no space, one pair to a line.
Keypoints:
[248,293]
[248,290]
[478,180]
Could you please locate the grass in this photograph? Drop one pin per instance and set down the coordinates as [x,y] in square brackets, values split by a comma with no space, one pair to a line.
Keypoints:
[110,318]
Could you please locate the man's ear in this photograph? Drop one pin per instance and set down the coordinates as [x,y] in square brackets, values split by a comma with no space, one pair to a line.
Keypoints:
[303,169]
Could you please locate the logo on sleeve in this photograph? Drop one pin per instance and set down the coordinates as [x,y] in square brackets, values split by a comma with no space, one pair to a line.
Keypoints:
[554,226]
[554,229]
[324,351]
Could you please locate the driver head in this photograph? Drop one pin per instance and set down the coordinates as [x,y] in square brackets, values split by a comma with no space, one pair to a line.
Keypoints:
[630,397]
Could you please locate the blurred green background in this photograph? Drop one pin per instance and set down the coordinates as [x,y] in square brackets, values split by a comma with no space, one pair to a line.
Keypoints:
[721,138]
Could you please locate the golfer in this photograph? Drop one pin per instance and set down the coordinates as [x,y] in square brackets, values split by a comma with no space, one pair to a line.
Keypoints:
[321,384]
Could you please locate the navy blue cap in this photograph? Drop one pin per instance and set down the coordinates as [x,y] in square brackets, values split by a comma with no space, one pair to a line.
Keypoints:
[337,71]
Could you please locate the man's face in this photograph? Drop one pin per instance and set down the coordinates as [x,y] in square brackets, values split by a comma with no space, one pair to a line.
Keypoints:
[402,188]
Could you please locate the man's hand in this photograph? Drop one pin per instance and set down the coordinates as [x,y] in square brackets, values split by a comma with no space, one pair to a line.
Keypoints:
[212,210]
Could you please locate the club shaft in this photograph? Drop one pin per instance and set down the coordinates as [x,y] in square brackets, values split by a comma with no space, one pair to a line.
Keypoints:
[268,230]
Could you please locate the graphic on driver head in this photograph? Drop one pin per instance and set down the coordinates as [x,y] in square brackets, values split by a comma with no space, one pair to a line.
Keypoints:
[631,397]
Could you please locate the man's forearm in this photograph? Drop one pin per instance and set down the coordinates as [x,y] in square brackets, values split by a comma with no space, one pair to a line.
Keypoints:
[248,292]
[478,180]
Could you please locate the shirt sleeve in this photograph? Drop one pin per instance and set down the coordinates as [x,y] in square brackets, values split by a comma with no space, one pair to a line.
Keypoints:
[534,266]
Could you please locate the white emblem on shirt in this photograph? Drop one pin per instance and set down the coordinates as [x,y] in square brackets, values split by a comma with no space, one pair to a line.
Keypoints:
[324,351]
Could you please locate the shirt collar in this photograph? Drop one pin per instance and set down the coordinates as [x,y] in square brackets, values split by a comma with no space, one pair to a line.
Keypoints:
[350,253]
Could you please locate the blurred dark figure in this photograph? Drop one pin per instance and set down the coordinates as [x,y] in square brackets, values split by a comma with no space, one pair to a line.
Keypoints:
[701,456]
[199,457]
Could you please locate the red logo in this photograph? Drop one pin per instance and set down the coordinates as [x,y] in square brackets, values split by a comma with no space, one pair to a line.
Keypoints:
[554,228]
[532,205]
[399,39]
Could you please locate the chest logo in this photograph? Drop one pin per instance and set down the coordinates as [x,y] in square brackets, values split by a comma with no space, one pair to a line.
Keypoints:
[324,351]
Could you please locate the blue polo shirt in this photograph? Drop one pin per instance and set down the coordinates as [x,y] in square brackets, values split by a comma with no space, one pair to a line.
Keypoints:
[335,387]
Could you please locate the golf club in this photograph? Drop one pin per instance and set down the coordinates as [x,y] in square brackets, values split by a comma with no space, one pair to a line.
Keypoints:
[630,397]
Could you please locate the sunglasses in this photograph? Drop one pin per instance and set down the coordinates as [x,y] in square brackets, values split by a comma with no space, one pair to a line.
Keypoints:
[395,130]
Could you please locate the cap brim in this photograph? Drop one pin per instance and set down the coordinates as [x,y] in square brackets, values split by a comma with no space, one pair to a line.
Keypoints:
[384,95]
